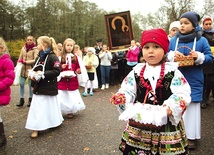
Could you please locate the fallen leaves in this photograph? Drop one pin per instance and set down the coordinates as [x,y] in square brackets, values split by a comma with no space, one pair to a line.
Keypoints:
[11,136]
[86,149]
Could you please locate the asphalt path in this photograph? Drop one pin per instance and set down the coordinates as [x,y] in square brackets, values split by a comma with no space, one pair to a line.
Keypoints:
[93,131]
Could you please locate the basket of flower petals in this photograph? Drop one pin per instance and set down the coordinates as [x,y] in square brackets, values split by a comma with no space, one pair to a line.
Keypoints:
[67,74]
[145,116]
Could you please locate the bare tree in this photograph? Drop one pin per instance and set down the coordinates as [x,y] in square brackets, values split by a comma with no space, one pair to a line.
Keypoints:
[170,10]
[208,8]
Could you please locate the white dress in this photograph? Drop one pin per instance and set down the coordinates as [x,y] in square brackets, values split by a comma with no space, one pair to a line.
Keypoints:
[70,101]
[192,121]
[44,113]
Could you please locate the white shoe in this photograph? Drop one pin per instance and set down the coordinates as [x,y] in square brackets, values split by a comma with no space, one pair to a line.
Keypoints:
[107,85]
[103,87]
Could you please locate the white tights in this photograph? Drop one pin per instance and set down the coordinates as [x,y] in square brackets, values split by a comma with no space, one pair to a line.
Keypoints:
[91,86]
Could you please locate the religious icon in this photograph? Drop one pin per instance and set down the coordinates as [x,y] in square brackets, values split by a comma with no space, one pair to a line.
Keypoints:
[119,30]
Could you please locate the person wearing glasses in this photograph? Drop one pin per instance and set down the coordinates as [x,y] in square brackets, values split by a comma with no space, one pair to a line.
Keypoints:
[27,57]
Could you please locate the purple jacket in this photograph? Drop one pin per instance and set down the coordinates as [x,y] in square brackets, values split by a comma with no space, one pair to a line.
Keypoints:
[7,76]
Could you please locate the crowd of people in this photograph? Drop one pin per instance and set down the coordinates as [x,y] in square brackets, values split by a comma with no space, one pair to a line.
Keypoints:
[151,81]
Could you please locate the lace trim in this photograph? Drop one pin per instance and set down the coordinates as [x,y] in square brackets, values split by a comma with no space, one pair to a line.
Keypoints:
[146,114]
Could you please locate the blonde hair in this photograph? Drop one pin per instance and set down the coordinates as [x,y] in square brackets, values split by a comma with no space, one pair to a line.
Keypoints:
[51,43]
[33,39]
[63,53]
[133,41]
[4,46]
[76,46]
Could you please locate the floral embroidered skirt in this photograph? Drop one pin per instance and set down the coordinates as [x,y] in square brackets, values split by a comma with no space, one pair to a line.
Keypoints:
[167,140]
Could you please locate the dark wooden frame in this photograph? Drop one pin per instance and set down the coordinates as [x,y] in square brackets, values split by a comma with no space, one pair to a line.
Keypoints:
[119,30]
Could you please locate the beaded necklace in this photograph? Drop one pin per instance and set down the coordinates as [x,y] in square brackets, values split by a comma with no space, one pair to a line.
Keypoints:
[159,81]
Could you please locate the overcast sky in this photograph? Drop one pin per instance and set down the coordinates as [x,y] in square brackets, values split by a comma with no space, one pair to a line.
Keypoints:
[134,6]
[142,6]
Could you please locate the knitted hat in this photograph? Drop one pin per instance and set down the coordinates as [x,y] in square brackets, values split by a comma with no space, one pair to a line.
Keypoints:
[193,17]
[157,36]
[91,49]
[174,24]
[206,19]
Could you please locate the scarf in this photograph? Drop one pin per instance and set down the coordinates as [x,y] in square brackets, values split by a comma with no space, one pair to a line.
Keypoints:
[69,60]
[29,47]
[184,38]
[210,31]
[43,54]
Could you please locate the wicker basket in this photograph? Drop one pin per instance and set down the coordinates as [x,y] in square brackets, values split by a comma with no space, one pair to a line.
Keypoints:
[185,60]
[143,126]
[88,67]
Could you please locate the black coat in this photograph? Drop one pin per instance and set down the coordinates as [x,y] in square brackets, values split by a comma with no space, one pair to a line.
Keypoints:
[48,85]
[209,69]
[209,36]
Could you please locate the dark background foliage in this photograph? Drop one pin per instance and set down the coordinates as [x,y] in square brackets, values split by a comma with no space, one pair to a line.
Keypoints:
[80,20]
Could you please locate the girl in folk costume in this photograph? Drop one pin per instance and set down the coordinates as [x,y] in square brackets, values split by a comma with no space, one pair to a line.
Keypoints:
[189,36]
[152,98]
[7,76]
[91,62]
[69,96]
[44,112]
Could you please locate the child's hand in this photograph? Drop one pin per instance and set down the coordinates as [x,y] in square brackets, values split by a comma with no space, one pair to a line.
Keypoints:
[194,54]
[178,55]
[20,60]
[78,71]
[33,79]
[169,111]
[64,66]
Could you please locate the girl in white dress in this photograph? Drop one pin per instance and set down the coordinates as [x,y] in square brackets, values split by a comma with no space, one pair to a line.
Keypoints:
[69,97]
[44,112]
